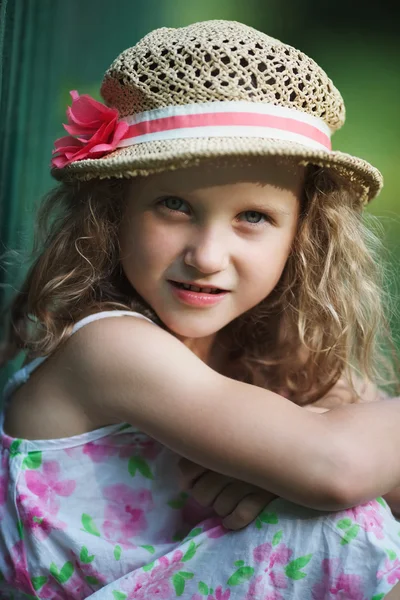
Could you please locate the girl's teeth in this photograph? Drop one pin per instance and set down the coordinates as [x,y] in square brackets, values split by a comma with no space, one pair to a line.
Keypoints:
[195,288]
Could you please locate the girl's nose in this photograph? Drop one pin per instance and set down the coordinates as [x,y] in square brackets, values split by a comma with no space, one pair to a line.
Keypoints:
[207,252]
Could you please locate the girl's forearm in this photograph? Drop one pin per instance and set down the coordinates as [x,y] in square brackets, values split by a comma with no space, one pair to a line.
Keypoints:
[371,435]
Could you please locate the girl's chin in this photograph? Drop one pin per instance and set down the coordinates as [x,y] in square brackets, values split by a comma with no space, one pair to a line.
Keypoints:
[192,327]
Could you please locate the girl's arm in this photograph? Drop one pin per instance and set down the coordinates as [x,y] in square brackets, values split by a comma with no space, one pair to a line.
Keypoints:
[132,371]
[341,393]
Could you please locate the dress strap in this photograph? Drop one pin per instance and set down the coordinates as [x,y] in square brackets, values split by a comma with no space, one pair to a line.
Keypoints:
[23,374]
[107,313]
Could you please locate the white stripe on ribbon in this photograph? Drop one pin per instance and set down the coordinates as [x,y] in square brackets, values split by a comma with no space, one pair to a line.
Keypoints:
[227,119]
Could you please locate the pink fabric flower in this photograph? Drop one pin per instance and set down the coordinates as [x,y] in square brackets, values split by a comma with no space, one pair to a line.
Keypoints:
[47,486]
[97,129]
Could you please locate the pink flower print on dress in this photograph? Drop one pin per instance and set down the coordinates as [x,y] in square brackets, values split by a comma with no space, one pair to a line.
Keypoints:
[47,486]
[260,589]
[213,528]
[391,571]
[336,584]
[19,576]
[98,451]
[278,557]
[368,516]
[76,588]
[157,582]
[218,595]
[39,522]
[86,571]
[125,513]
[3,485]
[372,521]
[82,581]
[267,587]
[125,446]
[140,445]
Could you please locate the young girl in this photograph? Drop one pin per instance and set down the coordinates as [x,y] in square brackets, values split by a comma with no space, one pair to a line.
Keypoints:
[204,202]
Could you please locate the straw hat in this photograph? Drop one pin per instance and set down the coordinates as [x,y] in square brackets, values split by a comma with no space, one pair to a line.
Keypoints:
[212,89]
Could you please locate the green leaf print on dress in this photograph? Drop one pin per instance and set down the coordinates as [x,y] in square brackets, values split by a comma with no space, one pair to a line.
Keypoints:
[179,502]
[32,461]
[89,526]
[179,580]
[64,574]
[240,576]
[190,552]
[14,448]
[84,556]
[277,538]
[266,517]
[351,530]
[292,570]
[151,549]
[38,582]
[119,595]
[138,463]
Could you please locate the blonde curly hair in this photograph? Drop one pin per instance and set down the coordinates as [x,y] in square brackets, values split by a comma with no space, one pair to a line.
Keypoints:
[327,316]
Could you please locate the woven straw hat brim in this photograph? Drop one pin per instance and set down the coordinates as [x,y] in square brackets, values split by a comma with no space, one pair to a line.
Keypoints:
[152,157]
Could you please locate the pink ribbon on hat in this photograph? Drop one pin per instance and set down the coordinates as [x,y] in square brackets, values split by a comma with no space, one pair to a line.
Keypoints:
[100,131]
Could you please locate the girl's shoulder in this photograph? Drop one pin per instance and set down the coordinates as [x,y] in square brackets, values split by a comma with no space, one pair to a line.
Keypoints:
[46,405]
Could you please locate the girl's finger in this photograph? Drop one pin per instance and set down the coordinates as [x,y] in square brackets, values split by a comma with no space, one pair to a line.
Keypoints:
[189,473]
[246,511]
[235,493]
[206,489]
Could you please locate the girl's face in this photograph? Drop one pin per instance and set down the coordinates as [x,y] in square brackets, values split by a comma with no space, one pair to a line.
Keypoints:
[229,227]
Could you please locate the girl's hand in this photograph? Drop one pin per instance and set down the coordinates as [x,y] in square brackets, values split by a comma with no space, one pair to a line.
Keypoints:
[238,502]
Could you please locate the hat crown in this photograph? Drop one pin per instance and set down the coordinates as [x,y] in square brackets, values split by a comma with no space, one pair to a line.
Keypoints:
[215,61]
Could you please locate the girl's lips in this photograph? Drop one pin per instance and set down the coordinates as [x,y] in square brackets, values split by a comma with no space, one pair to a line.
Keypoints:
[196,298]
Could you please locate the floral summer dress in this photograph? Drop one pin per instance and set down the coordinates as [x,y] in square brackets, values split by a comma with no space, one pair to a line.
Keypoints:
[101,516]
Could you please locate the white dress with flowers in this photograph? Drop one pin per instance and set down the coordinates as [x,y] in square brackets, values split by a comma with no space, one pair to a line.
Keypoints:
[101,516]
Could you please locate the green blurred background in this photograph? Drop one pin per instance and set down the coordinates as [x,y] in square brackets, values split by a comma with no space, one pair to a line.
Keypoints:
[49,47]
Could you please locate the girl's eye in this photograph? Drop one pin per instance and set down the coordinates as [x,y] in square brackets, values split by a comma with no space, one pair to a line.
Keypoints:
[254,217]
[174,204]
